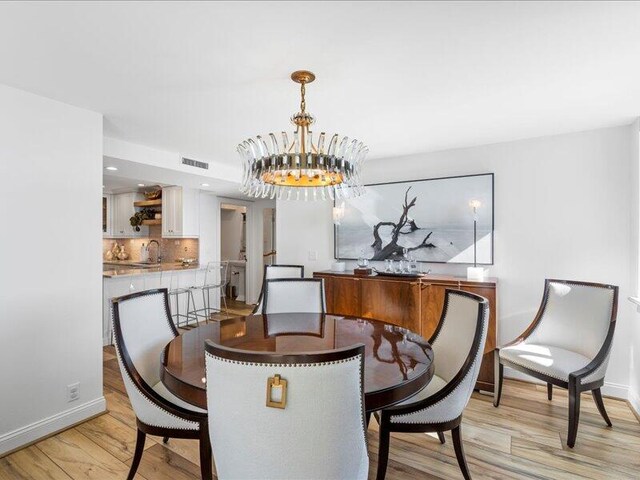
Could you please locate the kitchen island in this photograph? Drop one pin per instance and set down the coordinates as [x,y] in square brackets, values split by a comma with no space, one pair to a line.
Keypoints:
[122,278]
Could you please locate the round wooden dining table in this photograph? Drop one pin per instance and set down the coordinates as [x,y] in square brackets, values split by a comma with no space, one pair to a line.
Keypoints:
[398,363]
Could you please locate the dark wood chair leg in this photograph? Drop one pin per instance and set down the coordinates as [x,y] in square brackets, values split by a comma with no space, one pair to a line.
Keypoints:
[206,461]
[457,446]
[383,452]
[549,391]
[441,437]
[597,397]
[574,414]
[165,440]
[498,377]
[368,418]
[137,455]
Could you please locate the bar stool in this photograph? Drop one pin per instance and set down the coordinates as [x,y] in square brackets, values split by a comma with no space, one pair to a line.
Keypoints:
[181,287]
[215,278]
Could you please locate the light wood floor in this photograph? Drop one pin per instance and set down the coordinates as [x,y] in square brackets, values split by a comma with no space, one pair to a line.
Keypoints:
[524,438]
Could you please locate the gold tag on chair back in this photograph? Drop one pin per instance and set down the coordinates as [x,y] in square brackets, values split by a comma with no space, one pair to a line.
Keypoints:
[276,392]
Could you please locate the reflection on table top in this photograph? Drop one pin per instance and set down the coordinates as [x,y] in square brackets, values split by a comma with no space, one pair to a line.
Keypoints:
[395,358]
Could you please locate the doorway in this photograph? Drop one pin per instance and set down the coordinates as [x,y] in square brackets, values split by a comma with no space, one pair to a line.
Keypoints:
[233,249]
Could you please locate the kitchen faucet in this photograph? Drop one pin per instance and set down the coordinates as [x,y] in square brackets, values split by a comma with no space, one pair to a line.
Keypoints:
[158,256]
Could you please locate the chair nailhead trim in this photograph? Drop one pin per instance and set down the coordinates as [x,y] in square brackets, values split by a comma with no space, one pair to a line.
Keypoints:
[478,356]
[285,365]
[150,401]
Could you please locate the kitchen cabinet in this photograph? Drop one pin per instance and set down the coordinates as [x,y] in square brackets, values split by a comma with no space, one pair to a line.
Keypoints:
[122,210]
[107,215]
[412,303]
[180,212]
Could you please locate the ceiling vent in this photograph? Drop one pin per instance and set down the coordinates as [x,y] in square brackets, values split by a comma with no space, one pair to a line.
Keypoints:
[195,163]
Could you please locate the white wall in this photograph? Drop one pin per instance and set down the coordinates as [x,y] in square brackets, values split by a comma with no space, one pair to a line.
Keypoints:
[562,209]
[634,354]
[304,231]
[209,240]
[50,280]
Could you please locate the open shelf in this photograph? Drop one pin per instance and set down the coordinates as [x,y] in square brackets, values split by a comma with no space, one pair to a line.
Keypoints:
[155,221]
[148,203]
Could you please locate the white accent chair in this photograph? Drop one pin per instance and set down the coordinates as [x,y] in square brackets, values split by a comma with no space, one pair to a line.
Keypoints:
[299,295]
[567,344]
[142,327]
[320,432]
[272,272]
[301,323]
[458,346]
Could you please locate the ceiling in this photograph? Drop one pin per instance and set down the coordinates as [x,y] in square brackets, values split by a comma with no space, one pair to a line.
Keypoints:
[112,184]
[129,174]
[405,77]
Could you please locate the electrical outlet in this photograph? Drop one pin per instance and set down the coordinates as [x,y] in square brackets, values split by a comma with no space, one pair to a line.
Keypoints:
[313,255]
[73,392]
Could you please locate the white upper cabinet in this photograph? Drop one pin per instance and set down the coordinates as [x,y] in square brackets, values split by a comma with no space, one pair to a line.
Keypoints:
[122,209]
[180,212]
[107,215]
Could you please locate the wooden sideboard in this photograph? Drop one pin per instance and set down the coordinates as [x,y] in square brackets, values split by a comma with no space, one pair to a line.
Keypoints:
[413,303]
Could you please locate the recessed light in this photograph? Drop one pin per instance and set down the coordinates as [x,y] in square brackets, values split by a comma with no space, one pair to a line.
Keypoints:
[141,184]
[204,184]
[113,169]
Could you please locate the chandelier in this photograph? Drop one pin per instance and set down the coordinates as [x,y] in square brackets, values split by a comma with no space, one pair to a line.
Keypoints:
[297,167]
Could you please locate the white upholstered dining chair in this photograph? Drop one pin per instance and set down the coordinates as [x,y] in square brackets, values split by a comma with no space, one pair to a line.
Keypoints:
[458,346]
[310,425]
[272,272]
[289,295]
[142,327]
[567,344]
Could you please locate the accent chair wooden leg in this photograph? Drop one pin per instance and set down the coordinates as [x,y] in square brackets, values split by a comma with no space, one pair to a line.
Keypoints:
[383,452]
[574,414]
[137,455]
[549,391]
[441,437]
[597,397]
[498,377]
[165,440]
[206,468]
[368,418]
[457,446]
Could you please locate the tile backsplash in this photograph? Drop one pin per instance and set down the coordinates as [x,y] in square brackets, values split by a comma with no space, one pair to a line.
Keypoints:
[170,248]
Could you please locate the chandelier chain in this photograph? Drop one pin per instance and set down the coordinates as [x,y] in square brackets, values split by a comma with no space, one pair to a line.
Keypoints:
[302,101]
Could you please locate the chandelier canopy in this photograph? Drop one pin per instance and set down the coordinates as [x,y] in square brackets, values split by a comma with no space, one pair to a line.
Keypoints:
[299,167]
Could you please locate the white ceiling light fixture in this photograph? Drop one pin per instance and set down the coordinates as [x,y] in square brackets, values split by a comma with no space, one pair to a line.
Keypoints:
[204,184]
[301,166]
[141,184]
[111,169]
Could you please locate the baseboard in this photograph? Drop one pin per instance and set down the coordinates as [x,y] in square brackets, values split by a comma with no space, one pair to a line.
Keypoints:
[61,421]
[634,403]
[614,390]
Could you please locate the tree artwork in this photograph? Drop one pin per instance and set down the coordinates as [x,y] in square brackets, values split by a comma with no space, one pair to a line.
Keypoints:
[403,226]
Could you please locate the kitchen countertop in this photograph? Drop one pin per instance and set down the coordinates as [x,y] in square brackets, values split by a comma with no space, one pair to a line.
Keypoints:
[119,271]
